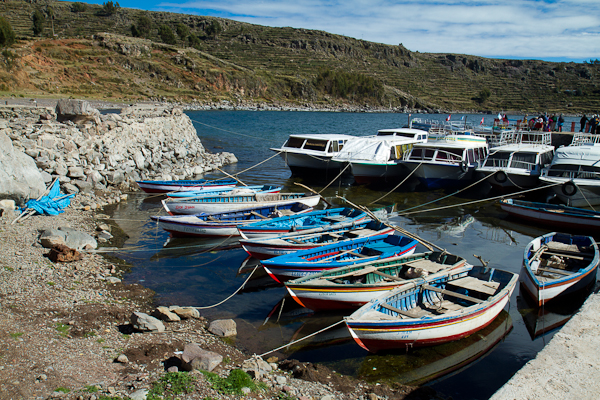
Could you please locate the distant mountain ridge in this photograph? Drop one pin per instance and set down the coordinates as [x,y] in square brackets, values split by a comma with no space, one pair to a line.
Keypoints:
[93,54]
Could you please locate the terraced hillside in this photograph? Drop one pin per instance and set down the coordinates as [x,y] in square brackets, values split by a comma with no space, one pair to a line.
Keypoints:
[244,62]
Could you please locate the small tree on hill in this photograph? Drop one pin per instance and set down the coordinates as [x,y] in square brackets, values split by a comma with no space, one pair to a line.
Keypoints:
[214,29]
[109,8]
[183,31]
[38,22]
[78,7]
[143,27]
[7,35]
[166,34]
[194,40]
[484,95]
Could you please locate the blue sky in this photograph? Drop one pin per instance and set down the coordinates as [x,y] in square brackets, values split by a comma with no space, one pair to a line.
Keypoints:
[552,30]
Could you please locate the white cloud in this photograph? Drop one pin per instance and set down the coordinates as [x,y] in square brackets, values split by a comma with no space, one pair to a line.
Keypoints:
[512,28]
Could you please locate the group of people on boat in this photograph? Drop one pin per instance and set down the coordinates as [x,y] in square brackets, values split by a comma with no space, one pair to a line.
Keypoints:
[591,125]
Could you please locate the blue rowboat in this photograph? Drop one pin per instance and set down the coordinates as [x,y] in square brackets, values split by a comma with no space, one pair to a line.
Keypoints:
[558,264]
[223,224]
[438,309]
[299,223]
[268,247]
[340,254]
[185,185]
[227,191]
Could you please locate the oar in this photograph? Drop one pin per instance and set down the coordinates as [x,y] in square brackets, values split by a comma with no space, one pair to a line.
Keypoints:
[323,198]
[231,176]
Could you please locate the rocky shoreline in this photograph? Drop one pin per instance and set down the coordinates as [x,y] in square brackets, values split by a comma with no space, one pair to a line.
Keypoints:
[71,330]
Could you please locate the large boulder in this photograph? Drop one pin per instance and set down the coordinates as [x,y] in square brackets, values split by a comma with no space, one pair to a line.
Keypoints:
[67,236]
[78,111]
[20,179]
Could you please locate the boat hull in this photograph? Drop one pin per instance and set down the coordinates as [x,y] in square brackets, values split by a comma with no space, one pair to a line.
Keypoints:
[439,176]
[365,174]
[547,214]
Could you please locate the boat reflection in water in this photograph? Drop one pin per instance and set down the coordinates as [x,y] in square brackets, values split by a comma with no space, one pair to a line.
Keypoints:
[541,321]
[421,365]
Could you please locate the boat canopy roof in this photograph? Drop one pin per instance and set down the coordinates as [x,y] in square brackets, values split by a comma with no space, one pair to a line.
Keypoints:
[371,148]
[323,136]
[403,132]
[581,155]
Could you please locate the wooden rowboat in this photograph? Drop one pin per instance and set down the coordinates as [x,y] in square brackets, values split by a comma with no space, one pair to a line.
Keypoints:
[184,185]
[298,223]
[439,309]
[556,215]
[223,224]
[228,191]
[558,264]
[214,204]
[338,255]
[264,248]
[353,286]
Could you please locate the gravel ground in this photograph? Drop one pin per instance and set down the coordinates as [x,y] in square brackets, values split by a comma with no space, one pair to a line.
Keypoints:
[64,325]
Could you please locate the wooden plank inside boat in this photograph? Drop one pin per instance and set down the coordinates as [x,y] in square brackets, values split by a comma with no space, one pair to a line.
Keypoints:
[451,293]
[477,285]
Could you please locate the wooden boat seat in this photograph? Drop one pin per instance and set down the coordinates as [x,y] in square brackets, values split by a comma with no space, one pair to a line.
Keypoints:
[335,218]
[477,285]
[388,276]
[335,235]
[399,311]
[362,271]
[286,212]
[426,265]
[555,271]
[451,293]
[295,240]
[575,256]
[362,232]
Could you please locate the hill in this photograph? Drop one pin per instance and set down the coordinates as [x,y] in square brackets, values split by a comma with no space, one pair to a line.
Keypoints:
[90,51]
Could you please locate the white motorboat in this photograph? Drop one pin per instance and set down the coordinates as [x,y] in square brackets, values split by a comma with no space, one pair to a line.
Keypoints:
[447,160]
[575,172]
[307,153]
[519,164]
[377,158]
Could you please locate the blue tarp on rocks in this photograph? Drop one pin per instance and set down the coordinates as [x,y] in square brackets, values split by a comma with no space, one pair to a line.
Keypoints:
[52,204]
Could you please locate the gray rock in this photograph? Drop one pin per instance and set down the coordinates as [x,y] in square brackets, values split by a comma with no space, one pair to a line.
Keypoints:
[223,327]
[69,237]
[246,390]
[185,312]
[20,178]
[105,235]
[256,367]
[173,368]
[122,359]
[164,314]
[145,323]
[112,279]
[75,172]
[194,357]
[281,380]
[139,394]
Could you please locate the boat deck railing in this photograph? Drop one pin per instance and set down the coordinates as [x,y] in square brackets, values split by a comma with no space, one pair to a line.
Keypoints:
[580,139]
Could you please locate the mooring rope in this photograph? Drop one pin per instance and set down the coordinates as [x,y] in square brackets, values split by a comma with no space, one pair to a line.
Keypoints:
[476,201]
[233,294]
[299,340]
[398,185]
[338,175]
[583,195]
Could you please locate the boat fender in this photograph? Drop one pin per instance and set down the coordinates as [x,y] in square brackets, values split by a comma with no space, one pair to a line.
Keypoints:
[569,189]
[500,177]
[464,166]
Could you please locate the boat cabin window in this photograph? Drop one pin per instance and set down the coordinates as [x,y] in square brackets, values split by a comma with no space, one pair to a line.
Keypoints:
[397,152]
[546,158]
[336,145]
[589,172]
[294,142]
[497,159]
[523,160]
[470,156]
[315,144]
[563,171]
[397,134]
[421,154]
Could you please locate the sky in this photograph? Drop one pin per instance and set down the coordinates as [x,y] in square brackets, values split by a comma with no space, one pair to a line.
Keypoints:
[551,30]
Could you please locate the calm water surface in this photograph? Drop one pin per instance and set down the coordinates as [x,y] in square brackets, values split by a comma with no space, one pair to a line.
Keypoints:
[196,272]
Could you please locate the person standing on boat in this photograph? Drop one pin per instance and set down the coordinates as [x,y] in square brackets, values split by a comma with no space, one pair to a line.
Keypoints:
[593,123]
[582,121]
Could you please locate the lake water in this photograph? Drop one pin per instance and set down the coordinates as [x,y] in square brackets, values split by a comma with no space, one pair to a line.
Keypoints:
[195,272]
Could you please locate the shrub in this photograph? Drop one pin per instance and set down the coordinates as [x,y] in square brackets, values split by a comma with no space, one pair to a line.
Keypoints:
[39,20]
[182,31]
[7,35]
[166,34]
[233,384]
[172,383]
[78,7]
[214,29]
